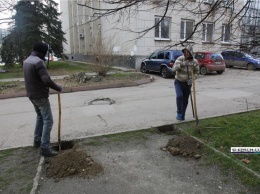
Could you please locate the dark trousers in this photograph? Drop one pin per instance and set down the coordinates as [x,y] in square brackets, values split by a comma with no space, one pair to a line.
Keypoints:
[182,90]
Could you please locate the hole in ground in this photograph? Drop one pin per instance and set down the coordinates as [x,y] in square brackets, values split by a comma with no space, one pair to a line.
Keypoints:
[65,145]
[169,129]
[102,101]
[165,128]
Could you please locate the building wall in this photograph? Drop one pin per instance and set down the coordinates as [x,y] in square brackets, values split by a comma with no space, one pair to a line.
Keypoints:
[78,21]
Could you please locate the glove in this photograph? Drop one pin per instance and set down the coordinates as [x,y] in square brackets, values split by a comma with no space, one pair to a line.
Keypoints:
[60,88]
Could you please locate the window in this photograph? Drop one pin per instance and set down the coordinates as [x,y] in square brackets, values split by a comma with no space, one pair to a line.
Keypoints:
[207,32]
[239,55]
[154,56]
[186,29]
[200,56]
[216,57]
[226,31]
[228,3]
[167,55]
[162,30]
[161,55]
[228,53]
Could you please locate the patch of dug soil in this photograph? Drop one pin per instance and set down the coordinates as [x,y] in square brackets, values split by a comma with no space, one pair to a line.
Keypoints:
[184,145]
[72,162]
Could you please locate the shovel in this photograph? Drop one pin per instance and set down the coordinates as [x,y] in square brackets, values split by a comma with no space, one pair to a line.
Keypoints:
[59,123]
[194,102]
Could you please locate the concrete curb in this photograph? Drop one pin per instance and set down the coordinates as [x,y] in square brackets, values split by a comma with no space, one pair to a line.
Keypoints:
[83,88]
[37,176]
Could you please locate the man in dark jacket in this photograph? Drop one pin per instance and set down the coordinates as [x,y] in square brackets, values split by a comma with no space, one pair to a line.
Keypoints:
[37,83]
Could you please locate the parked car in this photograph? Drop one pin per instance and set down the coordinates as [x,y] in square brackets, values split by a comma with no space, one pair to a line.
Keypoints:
[51,58]
[240,59]
[160,61]
[210,62]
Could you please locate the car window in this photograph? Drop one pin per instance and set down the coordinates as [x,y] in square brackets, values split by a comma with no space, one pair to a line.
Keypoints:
[167,55]
[161,55]
[216,57]
[224,54]
[239,55]
[233,54]
[227,53]
[154,56]
[200,56]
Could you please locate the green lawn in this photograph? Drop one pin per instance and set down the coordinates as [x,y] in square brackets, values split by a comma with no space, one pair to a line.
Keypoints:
[222,133]
[55,68]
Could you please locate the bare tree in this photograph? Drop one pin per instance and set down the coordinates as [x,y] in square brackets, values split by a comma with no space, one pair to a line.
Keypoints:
[6,7]
[103,55]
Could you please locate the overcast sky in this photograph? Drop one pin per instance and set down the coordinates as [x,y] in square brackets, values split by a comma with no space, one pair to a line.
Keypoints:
[8,14]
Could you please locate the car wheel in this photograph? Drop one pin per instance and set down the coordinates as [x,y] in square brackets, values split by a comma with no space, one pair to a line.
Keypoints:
[143,68]
[203,71]
[220,72]
[250,66]
[164,72]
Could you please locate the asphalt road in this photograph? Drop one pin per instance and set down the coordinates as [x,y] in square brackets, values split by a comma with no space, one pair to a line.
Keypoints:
[135,108]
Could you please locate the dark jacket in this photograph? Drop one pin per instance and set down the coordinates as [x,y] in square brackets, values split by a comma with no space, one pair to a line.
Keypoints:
[37,79]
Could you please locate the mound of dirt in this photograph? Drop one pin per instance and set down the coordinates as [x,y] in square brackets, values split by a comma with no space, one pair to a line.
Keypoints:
[72,162]
[184,145]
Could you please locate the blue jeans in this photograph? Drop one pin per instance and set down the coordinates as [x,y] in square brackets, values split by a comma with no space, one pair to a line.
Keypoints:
[182,90]
[44,121]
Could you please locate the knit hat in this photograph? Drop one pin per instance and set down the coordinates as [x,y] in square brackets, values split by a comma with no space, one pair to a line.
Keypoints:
[41,48]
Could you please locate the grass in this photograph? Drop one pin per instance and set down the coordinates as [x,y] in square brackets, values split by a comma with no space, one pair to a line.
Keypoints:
[55,68]
[18,167]
[5,153]
[68,68]
[71,69]
[12,72]
[222,133]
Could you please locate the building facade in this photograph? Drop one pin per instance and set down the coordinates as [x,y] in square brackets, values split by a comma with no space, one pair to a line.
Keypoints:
[250,27]
[170,29]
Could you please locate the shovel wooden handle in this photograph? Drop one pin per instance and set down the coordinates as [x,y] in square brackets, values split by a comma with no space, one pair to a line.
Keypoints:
[59,123]
[195,103]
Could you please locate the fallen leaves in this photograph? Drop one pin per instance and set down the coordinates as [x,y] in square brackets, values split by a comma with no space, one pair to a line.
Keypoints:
[245,160]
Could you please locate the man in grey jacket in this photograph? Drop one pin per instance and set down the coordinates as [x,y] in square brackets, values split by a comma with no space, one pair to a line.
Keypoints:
[37,83]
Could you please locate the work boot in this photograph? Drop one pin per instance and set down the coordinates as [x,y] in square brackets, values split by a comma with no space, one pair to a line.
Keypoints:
[48,152]
[36,144]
